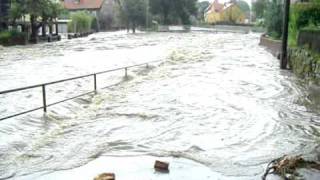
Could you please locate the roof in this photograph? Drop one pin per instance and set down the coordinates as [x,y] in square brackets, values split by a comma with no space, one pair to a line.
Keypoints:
[82,4]
[215,6]
[218,7]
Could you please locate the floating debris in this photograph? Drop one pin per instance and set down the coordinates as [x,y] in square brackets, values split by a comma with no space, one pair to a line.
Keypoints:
[286,166]
[161,166]
[106,176]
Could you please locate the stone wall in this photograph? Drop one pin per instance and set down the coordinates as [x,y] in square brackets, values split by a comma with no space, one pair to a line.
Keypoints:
[305,64]
[273,46]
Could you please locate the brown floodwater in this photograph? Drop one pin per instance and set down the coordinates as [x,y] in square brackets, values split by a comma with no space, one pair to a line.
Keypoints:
[217,107]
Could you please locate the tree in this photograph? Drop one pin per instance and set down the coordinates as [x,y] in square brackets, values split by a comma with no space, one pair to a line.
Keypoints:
[162,8]
[133,12]
[44,10]
[244,6]
[184,9]
[259,8]
[170,10]
[273,19]
[17,11]
[202,7]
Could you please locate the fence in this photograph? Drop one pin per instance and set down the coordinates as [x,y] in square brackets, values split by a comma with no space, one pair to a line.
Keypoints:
[43,87]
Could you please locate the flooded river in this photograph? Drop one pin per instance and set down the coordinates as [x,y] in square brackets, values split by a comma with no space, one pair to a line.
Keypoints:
[216,107]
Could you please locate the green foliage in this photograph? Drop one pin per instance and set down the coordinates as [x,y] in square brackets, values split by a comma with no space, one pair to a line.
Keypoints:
[202,6]
[273,19]
[17,10]
[135,11]
[259,8]
[94,24]
[171,11]
[80,22]
[6,36]
[303,16]
[184,9]
[244,6]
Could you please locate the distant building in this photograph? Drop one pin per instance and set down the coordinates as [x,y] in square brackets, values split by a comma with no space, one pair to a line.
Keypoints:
[227,12]
[213,12]
[93,6]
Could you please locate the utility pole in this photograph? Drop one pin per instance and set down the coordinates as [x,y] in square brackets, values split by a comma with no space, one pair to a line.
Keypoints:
[284,56]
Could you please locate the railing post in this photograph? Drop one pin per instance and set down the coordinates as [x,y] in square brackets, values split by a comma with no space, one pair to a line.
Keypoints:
[126,72]
[95,82]
[44,98]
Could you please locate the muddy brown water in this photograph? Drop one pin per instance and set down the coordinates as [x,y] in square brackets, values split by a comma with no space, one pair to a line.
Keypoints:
[216,100]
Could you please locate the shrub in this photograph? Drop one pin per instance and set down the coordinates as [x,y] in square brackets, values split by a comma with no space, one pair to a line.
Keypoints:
[94,24]
[8,37]
[80,22]
[5,37]
[302,16]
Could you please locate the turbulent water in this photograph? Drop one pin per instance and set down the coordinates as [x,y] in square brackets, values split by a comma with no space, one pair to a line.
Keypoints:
[218,100]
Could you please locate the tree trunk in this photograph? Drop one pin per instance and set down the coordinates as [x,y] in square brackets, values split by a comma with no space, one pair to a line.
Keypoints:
[128,27]
[133,27]
[34,29]
[57,28]
[50,28]
[43,29]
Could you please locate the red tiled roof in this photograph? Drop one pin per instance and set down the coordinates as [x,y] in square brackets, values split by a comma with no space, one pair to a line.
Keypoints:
[82,4]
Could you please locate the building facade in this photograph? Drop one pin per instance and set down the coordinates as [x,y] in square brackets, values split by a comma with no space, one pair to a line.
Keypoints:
[224,12]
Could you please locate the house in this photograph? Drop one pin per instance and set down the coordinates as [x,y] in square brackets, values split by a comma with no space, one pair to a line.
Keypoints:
[233,14]
[213,12]
[226,12]
[78,5]
[93,6]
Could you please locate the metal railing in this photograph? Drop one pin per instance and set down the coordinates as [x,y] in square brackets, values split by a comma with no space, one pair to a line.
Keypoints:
[43,87]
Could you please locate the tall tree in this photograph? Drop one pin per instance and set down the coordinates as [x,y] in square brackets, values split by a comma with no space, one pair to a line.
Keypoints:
[162,8]
[243,5]
[274,19]
[133,12]
[40,11]
[171,10]
[259,7]
[17,11]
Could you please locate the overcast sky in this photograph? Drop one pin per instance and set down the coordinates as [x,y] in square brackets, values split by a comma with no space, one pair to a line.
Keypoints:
[222,1]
